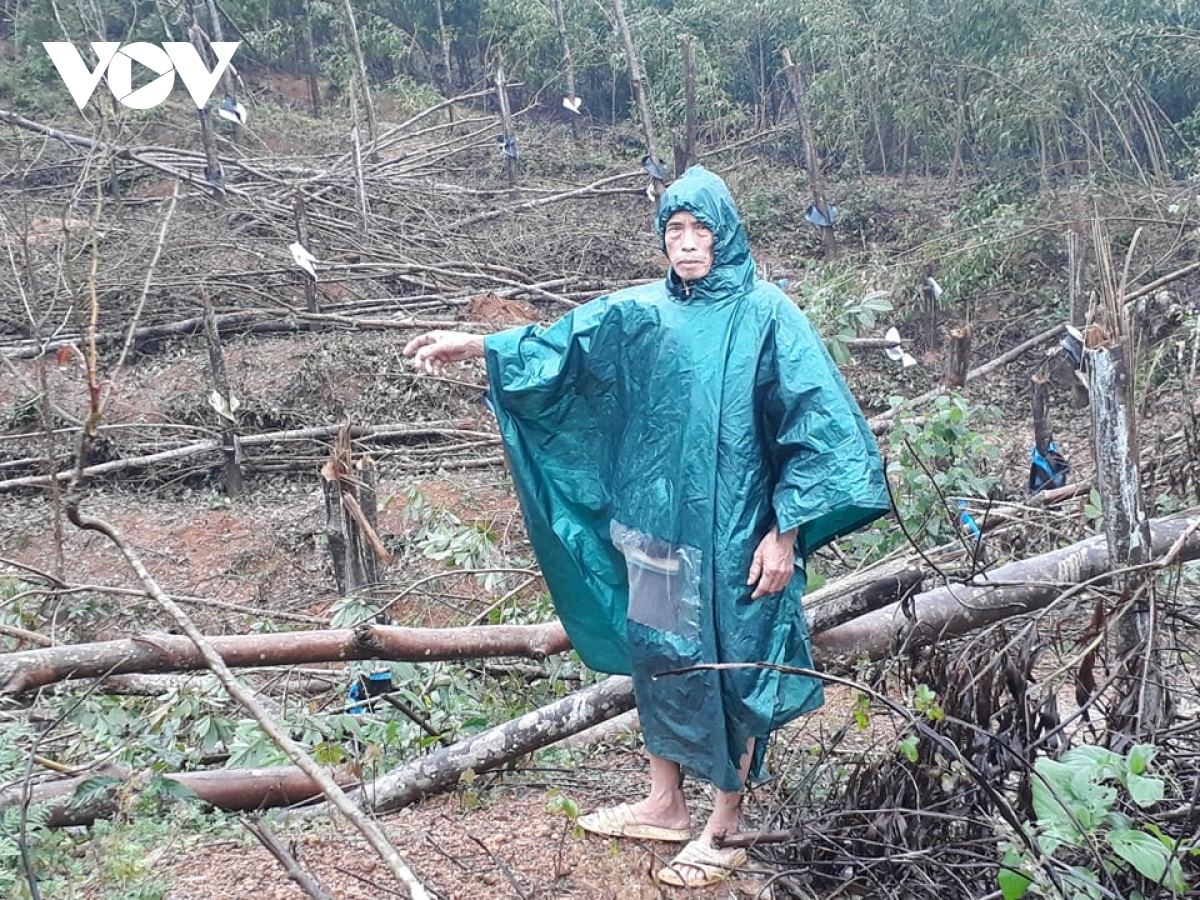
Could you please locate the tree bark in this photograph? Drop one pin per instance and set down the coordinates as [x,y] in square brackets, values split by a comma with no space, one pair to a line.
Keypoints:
[227,82]
[1013,589]
[213,173]
[308,59]
[958,361]
[351,526]
[235,790]
[1142,709]
[446,81]
[491,748]
[1077,301]
[364,81]
[1043,434]
[225,404]
[32,669]
[508,136]
[685,154]
[300,212]
[560,22]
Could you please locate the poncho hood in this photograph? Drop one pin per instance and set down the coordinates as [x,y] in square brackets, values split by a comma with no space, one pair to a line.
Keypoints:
[706,197]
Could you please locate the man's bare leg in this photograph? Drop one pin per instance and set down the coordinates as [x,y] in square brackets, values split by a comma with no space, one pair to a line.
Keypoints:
[726,817]
[700,862]
[666,805]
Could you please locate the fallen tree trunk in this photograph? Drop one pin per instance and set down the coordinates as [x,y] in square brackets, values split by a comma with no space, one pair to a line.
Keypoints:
[495,746]
[32,669]
[1016,588]
[235,790]
[387,432]
[1013,589]
[156,653]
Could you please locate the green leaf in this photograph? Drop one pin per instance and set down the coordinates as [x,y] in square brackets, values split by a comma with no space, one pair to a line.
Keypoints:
[93,789]
[908,746]
[1140,757]
[1013,881]
[174,789]
[1147,854]
[1145,791]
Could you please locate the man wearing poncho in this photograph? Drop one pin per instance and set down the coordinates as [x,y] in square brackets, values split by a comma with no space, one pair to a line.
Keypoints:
[678,448]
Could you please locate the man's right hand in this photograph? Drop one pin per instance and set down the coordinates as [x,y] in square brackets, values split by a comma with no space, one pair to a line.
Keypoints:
[434,349]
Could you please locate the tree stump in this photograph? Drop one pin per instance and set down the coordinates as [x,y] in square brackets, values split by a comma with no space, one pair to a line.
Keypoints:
[958,361]
[350,520]
[1144,700]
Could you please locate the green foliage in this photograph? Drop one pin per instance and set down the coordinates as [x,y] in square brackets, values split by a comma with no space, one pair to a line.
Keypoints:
[841,315]
[117,858]
[934,462]
[442,536]
[354,609]
[1086,803]
[1030,87]
[1002,246]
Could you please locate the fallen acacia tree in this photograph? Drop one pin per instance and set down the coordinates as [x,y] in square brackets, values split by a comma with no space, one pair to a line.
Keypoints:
[1009,590]
[235,790]
[1016,588]
[157,653]
[31,669]
[1013,589]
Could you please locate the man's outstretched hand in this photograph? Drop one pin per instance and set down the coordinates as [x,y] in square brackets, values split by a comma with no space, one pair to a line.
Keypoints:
[433,349]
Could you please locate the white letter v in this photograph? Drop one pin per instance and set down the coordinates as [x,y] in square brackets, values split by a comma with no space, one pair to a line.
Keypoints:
[74,71]
[196,78]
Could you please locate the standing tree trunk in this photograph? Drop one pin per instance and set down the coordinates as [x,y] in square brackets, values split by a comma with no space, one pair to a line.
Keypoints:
[363,82]
[1043,434]
[560,22]
[958,361]
[1078,301]
[227,83]
[225,403]
[213,173]
[445,81]
[360,180]
[1142,704]
[508,137]
[311,304]
[308,60]
[685,155]
[639,95]
[811,160]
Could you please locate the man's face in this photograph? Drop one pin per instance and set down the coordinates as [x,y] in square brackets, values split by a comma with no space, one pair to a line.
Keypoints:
[689,246]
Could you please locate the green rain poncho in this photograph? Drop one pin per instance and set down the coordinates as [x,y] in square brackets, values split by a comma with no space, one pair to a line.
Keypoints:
[655,436]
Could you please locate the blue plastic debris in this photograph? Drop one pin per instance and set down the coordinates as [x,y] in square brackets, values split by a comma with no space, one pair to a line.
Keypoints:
[1049,471]
[967,519]
[820,219]
[508,146]
[655,168]
[367,686]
